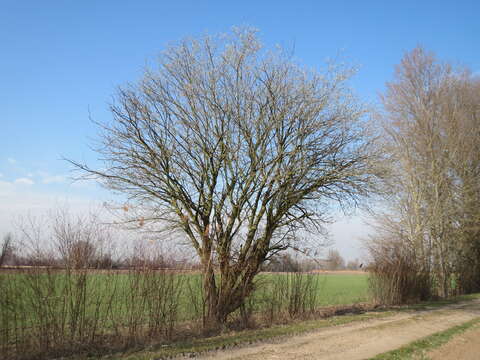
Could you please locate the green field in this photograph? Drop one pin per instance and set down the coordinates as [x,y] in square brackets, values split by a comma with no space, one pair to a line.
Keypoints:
[43,312]
[342,289]
[119,290]
[332,289]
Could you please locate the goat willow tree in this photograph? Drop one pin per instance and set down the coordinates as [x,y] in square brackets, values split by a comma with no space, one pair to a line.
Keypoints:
[237,147]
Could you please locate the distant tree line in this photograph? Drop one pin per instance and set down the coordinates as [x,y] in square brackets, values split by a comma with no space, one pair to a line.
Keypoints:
[286,262]
[63,240]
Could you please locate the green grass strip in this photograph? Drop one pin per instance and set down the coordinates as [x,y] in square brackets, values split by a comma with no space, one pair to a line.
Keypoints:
[417,349]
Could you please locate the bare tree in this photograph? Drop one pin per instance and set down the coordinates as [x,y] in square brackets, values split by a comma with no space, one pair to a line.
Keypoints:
[432,137]
[353,265]
[81,240]
[238,148]
[335,261]
[6,249]
[60,237]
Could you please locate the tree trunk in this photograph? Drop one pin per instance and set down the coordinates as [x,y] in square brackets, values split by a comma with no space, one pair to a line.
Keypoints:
[221,300]
[211,298]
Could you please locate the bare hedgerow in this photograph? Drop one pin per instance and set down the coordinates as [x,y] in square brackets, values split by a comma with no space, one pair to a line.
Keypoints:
[396,274]
[63,307]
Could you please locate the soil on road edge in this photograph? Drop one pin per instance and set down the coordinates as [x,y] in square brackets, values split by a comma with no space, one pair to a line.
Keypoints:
[359,340]
[464,346]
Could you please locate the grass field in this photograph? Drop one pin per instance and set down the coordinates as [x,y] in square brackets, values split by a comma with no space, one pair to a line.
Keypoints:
[44,312]
[334,289]
[331,289]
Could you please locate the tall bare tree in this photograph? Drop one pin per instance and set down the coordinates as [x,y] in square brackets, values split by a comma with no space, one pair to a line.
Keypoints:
[464,140]
[334,260]
[6,249]
[238,147]
[431,134]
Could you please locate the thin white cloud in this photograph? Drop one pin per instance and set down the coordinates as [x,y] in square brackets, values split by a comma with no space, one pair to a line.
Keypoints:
[24,181]
[11,160]
[48,178]
[54,179]
[1,175]
[84,184]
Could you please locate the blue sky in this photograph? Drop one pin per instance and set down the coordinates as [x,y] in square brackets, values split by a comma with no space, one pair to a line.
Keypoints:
[61,61]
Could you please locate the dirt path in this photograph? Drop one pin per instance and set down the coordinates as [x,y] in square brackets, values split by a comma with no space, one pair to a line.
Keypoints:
[464,346]
[358,340]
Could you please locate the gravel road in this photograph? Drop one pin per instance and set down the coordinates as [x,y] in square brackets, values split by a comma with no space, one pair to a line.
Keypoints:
[358,340]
